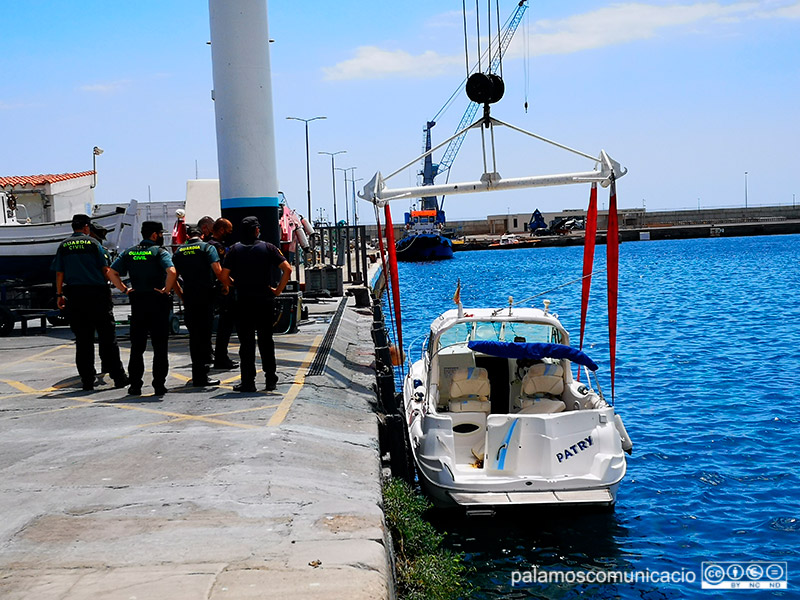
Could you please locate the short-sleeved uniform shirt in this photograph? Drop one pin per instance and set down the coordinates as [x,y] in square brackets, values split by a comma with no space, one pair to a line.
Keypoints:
[219,247]
[253,267]
[81,259]
[146,264]
[193,261]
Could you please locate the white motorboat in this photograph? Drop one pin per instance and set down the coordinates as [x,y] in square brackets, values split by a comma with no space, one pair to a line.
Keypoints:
[496,417]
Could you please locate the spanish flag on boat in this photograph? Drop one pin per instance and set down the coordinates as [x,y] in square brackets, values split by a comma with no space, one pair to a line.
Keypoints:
[457,299]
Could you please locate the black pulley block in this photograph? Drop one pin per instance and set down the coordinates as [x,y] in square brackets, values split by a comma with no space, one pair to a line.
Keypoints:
[485,88]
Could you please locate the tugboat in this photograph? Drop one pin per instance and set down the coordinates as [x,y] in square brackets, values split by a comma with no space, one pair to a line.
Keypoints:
[424,239]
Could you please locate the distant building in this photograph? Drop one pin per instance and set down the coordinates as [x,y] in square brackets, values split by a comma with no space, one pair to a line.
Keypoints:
[46,198]
[518,223]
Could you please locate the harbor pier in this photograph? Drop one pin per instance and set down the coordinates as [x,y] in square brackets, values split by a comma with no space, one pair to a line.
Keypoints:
[202,493]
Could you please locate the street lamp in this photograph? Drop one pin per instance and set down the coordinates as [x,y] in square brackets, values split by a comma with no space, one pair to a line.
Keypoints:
[355,206]
[346,204]
[308,161]
[96,151]
[745,189]
[333,178]
[353,174]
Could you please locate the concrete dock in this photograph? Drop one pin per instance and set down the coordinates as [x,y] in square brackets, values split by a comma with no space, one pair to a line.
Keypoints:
[200,494]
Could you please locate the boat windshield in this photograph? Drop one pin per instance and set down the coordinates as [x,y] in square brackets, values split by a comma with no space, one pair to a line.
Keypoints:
[500,331]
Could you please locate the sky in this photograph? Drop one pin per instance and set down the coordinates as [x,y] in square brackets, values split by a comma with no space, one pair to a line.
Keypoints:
[688,96]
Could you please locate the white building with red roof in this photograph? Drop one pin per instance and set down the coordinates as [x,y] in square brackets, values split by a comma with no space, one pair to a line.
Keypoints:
[46,198]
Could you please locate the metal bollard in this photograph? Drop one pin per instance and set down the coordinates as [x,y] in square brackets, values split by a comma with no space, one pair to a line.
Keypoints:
[379,336]
[385,379]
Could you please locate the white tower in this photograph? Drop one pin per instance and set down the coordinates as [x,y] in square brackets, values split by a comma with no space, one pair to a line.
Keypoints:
[242,95]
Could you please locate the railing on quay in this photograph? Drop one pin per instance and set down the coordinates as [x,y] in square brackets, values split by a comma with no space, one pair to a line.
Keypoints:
[342,246]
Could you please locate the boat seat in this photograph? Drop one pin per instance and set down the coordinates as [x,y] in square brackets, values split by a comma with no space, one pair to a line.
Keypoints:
[543,378]
[469,390]
[542,387]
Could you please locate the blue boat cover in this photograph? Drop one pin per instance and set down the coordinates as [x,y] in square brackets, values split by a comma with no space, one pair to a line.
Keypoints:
[532,350]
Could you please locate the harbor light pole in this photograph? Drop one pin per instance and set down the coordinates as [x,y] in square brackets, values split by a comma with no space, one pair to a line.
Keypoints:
[308,160]
[745,189]
[333,179]
[346,204]
[355,206]
[95,153]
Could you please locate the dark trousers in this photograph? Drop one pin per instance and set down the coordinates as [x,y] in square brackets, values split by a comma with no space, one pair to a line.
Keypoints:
[199,317]
[89,310]
[227,310]
[149,318]
[254,317]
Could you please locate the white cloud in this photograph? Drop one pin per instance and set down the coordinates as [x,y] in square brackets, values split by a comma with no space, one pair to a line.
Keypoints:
[608,26]
[623,23]
[791,11]
[108,87]
[371,62]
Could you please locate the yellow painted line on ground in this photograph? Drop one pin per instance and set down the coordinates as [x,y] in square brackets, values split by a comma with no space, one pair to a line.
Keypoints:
[39,355]
[166,413]
[299,381]
[42,412]
[18,385]
[221,414]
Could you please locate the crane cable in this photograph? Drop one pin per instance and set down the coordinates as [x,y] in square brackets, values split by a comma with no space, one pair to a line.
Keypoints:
[526,58]
[466,54]
[478,28]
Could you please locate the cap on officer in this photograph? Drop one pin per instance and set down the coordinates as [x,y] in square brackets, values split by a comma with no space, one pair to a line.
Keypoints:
[80,221]
[193,231]
[151,227]
[98,230]
[250,223]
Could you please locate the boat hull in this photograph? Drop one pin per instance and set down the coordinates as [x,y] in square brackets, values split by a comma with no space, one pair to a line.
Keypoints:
[449,486]
[27,250]
[424,247]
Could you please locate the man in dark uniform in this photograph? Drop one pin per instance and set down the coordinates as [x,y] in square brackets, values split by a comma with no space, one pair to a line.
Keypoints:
[152,276]
[206,226]
[82,289]
[251,264]
[225,303]
[99,233]
[198,265]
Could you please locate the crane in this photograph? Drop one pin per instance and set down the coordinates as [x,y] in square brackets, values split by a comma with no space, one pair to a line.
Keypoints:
[431,170]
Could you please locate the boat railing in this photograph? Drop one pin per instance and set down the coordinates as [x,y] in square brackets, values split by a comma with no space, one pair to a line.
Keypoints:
[422,340]
[597,387]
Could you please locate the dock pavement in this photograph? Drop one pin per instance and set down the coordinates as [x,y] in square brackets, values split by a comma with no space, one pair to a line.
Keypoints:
[202,494]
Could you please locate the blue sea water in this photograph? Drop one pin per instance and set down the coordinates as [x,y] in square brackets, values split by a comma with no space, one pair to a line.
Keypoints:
[707,384]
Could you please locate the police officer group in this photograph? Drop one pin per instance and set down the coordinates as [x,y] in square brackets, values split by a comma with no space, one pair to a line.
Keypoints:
[238,280]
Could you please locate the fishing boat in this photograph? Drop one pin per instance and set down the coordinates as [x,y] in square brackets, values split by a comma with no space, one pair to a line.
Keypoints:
[28,244]
[510,241]
[496,416]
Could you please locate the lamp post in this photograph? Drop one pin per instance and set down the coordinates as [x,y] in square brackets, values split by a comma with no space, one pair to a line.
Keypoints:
[346,205]
[308,160]
[745,190]
[355,206]
[96,151]
[333,179]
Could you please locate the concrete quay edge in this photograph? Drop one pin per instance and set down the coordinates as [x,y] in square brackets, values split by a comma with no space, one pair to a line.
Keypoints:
[204,494]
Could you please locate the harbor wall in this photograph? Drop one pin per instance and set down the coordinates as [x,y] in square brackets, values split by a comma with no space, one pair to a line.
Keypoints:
[632,219]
